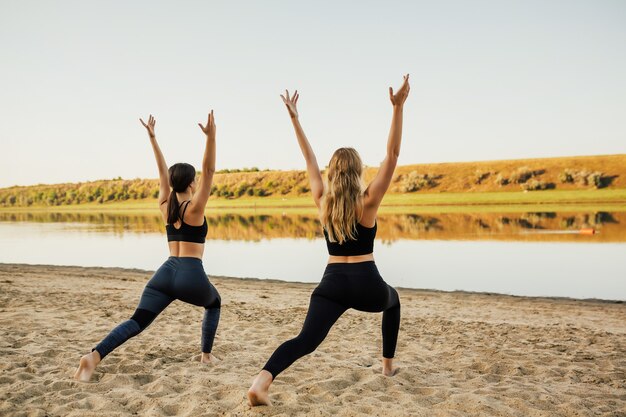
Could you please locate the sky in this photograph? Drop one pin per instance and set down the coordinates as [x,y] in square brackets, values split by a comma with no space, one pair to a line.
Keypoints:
[497,79]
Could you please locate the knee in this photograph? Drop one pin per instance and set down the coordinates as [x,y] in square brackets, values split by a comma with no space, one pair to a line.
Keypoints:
[306,344]
[143,318]
[215,303]
[394,298]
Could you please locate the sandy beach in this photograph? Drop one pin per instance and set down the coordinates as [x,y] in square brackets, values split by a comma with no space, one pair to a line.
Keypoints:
[459,354]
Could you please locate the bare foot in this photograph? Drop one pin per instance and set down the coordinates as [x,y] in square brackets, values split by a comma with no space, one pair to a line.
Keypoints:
[87,366]
[258,393]
[388,368]
[208,358]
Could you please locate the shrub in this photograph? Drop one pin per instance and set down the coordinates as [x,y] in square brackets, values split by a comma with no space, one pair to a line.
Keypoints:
[568,176]
[222,191]
[501,180]
[236,170]
[241,189]
[535,185]
[597,179]
[415,182]
[581,177]
[480,176]
[121,196]
[521,175]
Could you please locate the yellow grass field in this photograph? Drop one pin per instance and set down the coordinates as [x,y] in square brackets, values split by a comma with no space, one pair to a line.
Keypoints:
[580,179]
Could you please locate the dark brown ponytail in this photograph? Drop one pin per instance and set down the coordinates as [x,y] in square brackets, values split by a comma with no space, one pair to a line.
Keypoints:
[181,176]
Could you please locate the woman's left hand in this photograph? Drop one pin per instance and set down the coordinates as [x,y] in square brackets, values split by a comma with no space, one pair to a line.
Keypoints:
[149,126]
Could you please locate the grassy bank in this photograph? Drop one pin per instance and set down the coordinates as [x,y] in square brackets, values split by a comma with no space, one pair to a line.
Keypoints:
[567,200]
[597,179]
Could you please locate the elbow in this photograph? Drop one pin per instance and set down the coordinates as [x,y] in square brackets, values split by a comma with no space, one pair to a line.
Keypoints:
[208,166]
[318,194]
[393,154]
[207,171]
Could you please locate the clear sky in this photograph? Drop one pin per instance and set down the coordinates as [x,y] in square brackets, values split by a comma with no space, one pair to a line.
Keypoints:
[490,80]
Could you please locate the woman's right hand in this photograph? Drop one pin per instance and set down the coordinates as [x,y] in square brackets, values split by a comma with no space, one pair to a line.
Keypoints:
[210,129]
[400,96]
[149,126]
[291,103]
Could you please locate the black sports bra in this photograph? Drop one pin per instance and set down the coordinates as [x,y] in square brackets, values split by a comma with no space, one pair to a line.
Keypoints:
[186,232]
[362,245]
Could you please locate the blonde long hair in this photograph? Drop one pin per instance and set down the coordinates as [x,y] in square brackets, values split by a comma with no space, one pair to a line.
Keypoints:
[343,195]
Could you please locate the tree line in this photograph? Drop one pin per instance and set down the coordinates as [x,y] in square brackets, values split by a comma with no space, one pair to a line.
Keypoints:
[230,185]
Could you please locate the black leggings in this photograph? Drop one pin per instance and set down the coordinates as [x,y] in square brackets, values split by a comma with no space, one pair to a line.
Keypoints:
[344,286]
[181,278]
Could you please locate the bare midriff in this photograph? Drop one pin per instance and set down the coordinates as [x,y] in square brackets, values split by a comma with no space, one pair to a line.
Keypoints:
[186,249]
[334,259]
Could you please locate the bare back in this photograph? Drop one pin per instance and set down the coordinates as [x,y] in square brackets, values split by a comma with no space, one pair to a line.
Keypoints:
[192,218]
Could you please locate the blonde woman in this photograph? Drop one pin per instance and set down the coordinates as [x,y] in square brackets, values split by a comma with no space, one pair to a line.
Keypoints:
[351,279]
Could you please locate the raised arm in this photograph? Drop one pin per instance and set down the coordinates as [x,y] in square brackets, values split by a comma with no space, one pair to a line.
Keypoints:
[201,196]
[313,170]
[379,185]
[164,184]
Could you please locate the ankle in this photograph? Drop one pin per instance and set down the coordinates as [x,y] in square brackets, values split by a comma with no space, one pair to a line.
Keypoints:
[95,357]
[264,379]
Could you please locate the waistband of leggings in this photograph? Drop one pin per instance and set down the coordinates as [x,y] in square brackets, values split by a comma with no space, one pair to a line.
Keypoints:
[184,260]
[345,266]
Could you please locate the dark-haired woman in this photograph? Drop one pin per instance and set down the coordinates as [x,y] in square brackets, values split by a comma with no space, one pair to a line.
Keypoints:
[351,280]
[181,277]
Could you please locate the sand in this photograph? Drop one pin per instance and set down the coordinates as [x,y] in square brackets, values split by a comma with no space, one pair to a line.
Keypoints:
[459,354]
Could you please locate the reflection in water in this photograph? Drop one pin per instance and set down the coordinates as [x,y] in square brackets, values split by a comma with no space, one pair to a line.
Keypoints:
[610,226]
[450,251]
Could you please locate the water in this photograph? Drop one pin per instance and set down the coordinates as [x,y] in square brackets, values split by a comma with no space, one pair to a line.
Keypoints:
[539,254]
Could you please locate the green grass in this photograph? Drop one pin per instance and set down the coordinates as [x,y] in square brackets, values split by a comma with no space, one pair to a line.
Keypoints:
[576,200]
[617,196]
